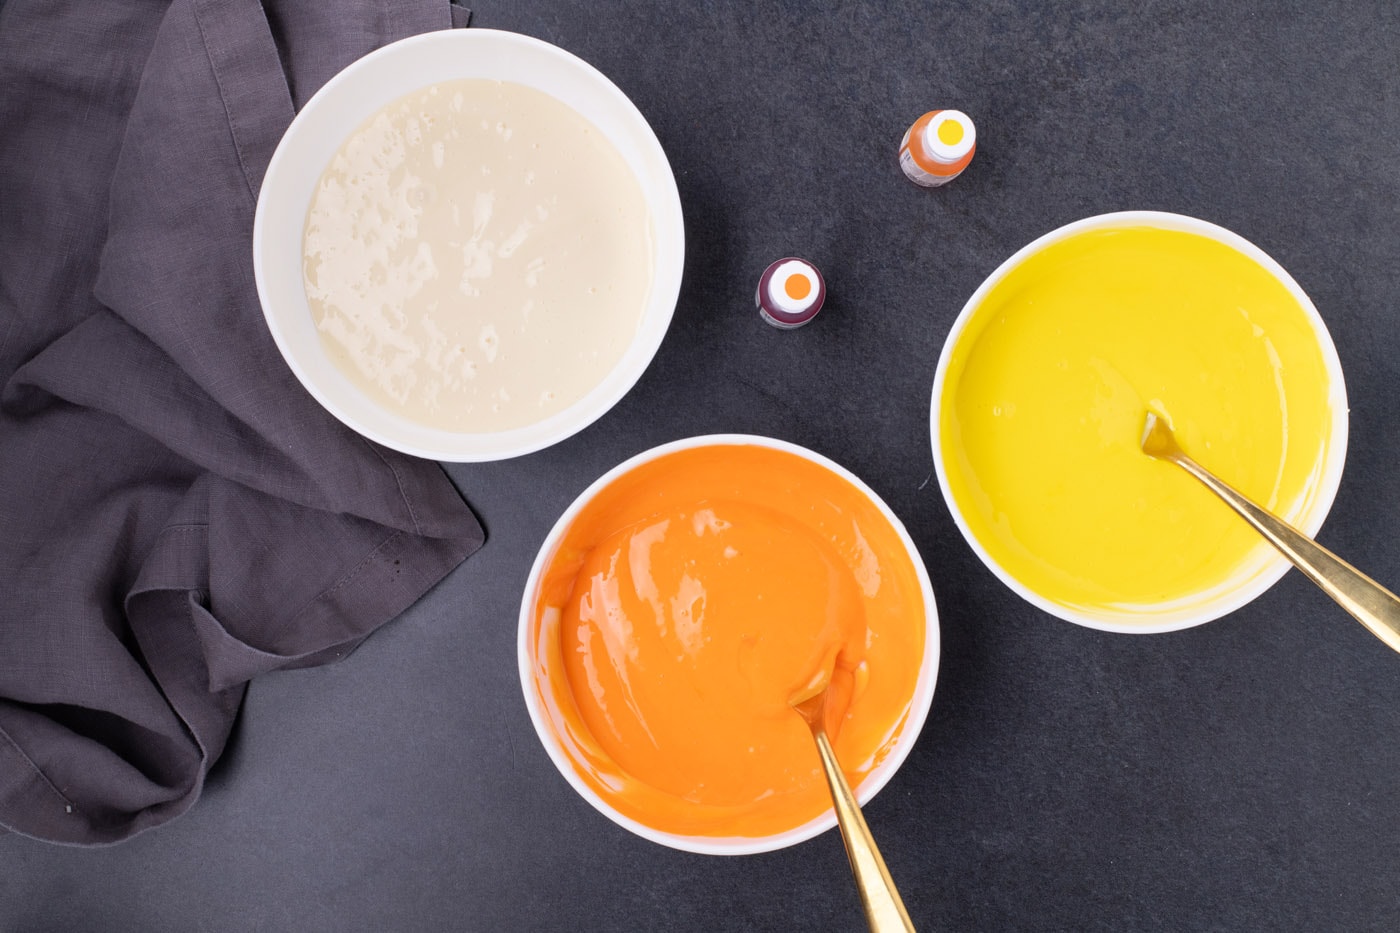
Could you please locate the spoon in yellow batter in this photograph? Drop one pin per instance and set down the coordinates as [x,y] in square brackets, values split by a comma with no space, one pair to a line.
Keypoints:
[884,910]
[1372,604]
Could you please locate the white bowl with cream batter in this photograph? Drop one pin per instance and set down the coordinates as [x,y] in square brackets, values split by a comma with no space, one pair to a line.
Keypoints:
[468,245]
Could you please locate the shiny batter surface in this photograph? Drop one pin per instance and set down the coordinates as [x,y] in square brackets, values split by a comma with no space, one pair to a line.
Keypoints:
[1046,393]
[477,255]
[685,605]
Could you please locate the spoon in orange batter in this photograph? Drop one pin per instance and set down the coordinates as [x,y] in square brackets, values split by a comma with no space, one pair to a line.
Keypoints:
[884,910]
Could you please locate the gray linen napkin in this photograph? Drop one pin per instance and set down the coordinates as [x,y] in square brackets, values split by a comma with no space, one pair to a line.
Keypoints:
[177,515]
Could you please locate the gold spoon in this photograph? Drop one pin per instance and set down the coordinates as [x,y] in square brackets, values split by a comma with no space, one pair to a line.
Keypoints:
[1372,604]
[884,911]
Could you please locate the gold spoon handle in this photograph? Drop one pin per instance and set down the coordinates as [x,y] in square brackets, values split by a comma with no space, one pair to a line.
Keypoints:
[884,911]
[1373,605]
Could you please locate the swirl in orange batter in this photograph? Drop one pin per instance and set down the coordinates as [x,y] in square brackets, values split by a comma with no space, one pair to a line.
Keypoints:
[683,607]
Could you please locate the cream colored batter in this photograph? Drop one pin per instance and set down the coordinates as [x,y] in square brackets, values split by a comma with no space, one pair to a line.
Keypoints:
[477,256]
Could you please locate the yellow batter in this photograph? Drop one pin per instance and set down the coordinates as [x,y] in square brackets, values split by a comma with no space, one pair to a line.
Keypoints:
[1047,388]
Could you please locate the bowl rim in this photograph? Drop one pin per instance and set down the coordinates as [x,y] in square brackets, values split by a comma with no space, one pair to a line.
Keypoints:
[1173,618]
[919,704]
[653,325]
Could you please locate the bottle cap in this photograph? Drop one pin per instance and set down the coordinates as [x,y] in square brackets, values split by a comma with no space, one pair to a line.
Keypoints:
[949,136]
[791,292]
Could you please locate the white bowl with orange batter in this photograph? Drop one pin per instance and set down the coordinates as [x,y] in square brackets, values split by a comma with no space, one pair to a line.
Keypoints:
[677,605]
[1040,396]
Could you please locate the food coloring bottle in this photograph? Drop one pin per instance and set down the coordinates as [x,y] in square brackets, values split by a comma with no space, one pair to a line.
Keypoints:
[937,147]
[790,293]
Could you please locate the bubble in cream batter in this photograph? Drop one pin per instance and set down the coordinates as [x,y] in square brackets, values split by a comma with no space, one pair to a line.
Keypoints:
[489,343]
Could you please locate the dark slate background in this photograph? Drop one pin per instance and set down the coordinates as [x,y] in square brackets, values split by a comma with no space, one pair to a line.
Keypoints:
[1237,776]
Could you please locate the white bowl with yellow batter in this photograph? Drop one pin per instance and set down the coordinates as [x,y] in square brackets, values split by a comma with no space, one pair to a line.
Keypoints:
[1040,395]
[468,245]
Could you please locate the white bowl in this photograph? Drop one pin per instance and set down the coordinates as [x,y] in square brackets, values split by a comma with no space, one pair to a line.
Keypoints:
[1265,566]
[878,777]
[345,102]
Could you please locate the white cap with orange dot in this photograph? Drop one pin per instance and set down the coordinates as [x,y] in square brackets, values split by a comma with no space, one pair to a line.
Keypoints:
[790,292]
[937,148]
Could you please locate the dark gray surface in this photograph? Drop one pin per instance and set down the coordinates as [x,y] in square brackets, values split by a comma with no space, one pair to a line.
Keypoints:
[1237,776]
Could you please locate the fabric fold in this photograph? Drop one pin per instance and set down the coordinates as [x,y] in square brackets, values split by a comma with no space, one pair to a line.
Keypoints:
[179,515]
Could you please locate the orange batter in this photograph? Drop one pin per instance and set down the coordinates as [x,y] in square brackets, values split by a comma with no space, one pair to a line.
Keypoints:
[685,605]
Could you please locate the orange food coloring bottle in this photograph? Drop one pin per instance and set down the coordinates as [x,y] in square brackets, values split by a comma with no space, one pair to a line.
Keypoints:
[937,147]
[790,293]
